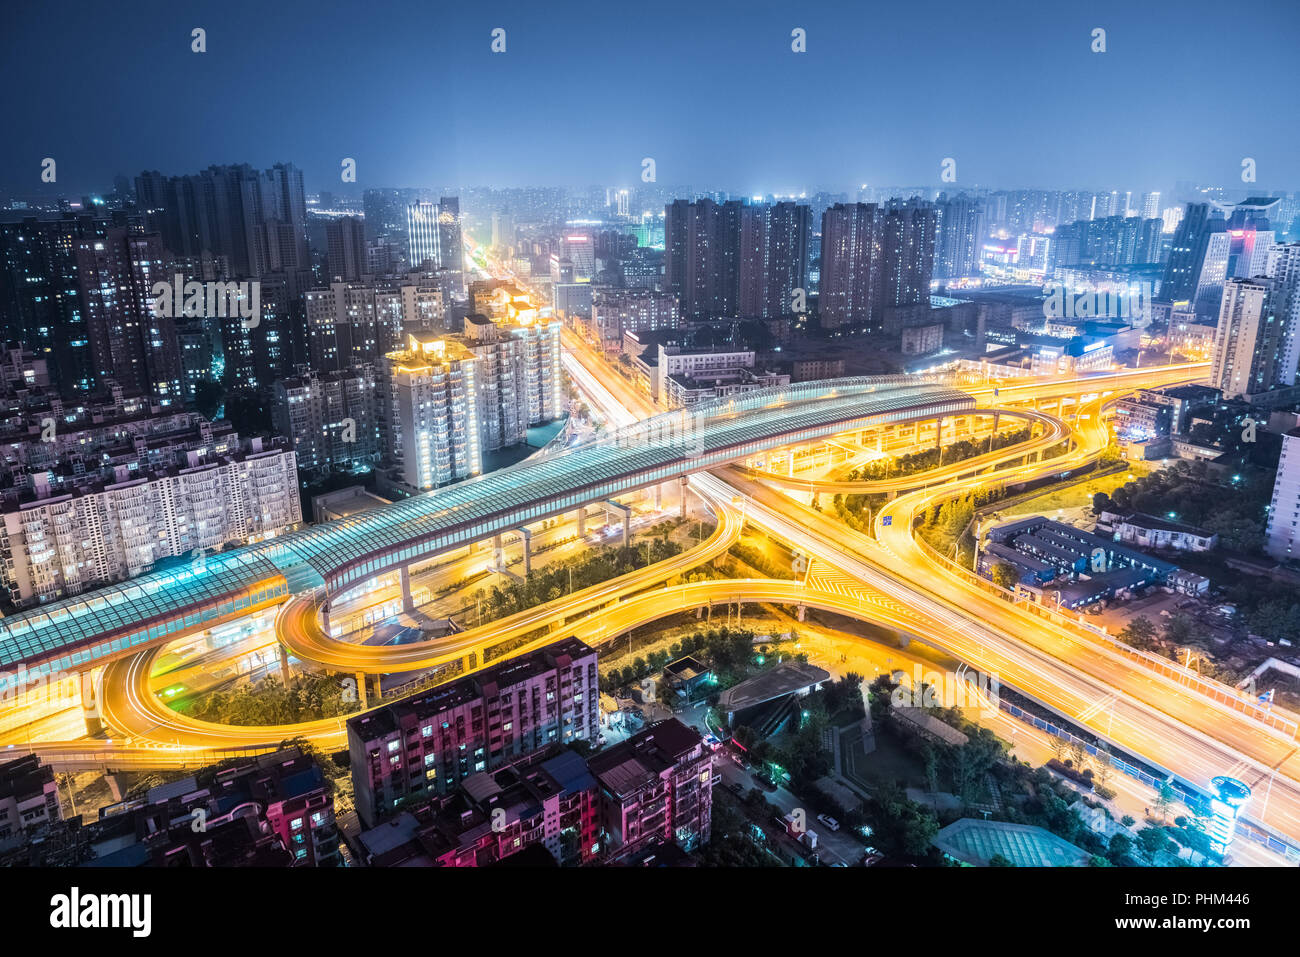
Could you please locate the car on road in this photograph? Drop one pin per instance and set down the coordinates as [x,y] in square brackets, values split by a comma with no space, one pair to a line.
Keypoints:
[829,821]
[765,781]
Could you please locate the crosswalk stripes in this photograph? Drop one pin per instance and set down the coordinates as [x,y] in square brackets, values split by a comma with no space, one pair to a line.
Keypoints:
[825,578]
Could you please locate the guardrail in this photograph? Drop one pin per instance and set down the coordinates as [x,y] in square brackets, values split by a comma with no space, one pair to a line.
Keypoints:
[1188,793]
[1279,719]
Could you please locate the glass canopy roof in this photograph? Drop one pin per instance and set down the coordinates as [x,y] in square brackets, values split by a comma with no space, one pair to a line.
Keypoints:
[683,440]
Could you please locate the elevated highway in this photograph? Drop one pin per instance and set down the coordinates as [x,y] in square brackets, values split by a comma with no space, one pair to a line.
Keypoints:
[117,620]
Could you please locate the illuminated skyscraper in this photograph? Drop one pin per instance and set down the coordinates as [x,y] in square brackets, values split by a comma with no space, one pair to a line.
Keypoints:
[773,258]
[430,412]
[129,344]
[702,258]
[959,236]
[1248,341]
[1198,261]
[451,251]
[422,234]
[520,383]
[874,258]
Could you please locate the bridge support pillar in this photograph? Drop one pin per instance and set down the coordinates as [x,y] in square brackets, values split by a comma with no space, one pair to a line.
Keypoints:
[325,618]
[498,553]
[408,603]
[617,508]
[363,689]
[90,689]
[285,674]
[527,536]
[802,612]
[659,496]
[582,521]
[938,432]
[115,787]
[682,485]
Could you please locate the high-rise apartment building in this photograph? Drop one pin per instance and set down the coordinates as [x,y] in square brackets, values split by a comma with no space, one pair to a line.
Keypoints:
[734,259]
[40,301]
[59,545]
[773,259]
[345,242]
[451,246]
[873,258]
[424,239]
[429,413]
[851,254]
[352,323]
[256,219]
[1283,534]
[1111,241]
[959,237]
[702,256]
[427,744]
[519,380]
[128,343]
[330,418]
[1283,270]
[1248,341]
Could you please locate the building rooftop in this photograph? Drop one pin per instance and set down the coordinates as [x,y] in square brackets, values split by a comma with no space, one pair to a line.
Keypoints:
[976,842]
[1143,520]
[384,721]
[786,678]
[634,763]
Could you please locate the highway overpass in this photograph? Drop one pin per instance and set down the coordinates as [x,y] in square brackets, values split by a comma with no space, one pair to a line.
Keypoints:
[100,626]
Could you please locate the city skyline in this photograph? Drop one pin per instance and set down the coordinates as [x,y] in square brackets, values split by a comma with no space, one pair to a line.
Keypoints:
[926,497]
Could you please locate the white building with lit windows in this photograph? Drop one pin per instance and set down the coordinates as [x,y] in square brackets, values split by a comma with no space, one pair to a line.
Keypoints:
[57,545]
[430,415]
[1283,537]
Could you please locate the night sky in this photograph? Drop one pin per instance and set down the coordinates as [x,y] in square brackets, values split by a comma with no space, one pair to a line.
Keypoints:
[710,89]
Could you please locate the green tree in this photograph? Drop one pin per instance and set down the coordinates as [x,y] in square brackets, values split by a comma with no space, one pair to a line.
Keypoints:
[1139,632]
[1005,575]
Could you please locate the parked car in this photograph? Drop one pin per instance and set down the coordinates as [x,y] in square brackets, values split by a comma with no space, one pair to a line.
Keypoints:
[829,821]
